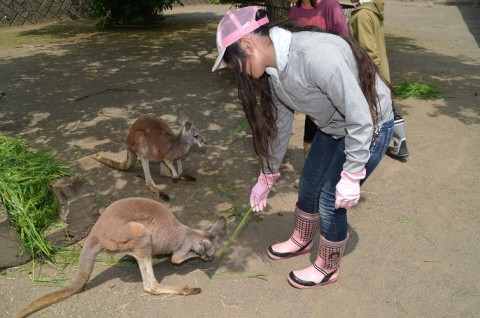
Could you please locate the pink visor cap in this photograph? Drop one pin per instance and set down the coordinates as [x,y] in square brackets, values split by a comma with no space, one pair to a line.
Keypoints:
[234,25]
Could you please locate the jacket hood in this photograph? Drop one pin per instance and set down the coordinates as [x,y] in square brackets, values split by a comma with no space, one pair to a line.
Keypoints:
[376,6]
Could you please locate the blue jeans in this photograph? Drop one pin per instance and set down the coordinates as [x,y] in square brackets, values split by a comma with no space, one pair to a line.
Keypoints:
[321,173]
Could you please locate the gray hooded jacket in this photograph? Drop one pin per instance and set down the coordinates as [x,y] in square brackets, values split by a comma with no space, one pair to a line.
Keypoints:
[317,75]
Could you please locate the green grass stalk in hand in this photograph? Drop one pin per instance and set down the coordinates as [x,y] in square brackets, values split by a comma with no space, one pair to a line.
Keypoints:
[232,238]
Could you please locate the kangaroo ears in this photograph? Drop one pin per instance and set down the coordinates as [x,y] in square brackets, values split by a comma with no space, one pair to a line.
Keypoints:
[188,126]
[218,226]
[182,117]
[187,129]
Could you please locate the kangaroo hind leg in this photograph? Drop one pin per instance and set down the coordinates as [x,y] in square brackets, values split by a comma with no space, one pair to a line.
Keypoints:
[122,166]
[150,283]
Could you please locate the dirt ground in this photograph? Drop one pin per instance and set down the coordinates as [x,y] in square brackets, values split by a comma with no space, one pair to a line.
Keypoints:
[415,236]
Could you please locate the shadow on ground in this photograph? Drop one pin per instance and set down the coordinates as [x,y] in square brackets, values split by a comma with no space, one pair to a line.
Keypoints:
[80,94]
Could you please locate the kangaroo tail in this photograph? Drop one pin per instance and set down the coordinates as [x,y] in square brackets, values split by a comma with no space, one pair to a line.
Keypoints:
[87,259]
[123,166]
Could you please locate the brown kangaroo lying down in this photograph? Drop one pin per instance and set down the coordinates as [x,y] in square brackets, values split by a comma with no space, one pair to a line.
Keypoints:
[150,139]
[141,228]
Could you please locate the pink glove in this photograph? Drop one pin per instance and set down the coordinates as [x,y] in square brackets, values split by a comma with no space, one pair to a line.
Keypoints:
[258,197]
[348,189]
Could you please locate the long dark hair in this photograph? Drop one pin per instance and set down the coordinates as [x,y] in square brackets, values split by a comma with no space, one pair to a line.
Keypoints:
[262,116]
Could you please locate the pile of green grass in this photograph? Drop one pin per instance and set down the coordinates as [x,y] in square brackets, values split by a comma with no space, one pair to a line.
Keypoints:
[419,90]
[27,195]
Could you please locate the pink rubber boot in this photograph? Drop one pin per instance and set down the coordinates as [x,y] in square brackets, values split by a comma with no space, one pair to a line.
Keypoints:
[325,270]
[301,240]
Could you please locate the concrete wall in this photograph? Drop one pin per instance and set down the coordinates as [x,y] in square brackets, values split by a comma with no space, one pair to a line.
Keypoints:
[20,12]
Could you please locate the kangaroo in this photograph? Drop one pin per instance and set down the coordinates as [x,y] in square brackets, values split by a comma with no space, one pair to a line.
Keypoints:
[151,139]
[141,228]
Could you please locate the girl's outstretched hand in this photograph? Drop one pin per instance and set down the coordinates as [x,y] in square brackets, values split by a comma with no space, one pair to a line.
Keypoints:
[258,197]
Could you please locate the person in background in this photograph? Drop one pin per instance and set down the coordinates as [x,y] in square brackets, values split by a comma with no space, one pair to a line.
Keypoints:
[324,14]
[366,26]
[285,69]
